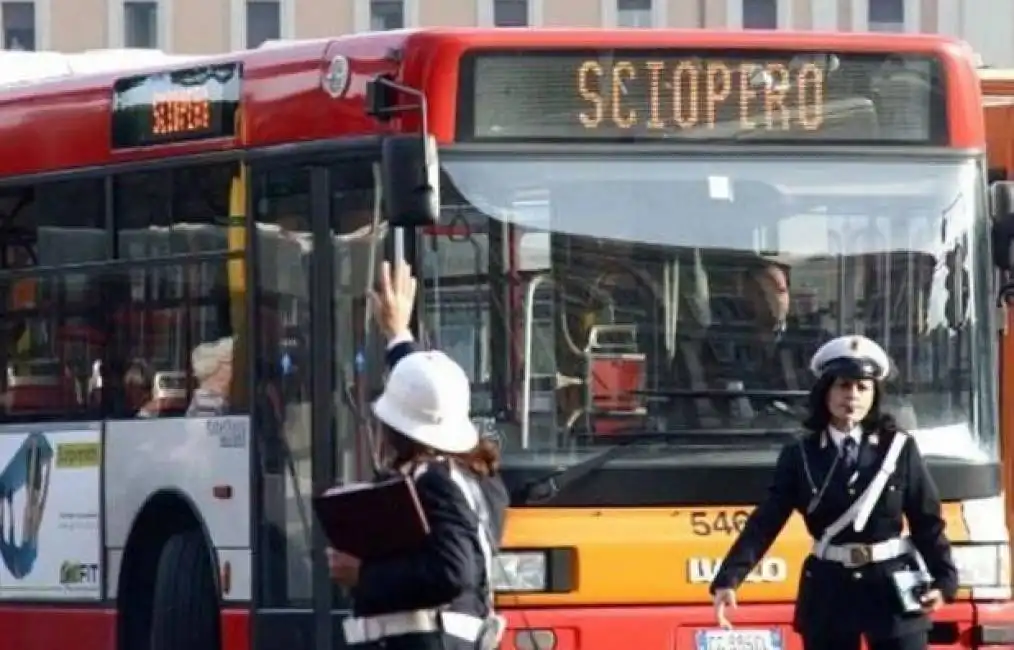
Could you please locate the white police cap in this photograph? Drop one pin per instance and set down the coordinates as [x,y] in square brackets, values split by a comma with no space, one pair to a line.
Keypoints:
[854,357]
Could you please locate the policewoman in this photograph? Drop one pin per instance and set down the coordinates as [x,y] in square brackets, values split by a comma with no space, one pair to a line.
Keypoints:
[854,477]
[438,597]
[393,303]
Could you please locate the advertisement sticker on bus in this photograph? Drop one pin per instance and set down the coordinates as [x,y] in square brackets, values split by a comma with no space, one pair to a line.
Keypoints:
[49,515]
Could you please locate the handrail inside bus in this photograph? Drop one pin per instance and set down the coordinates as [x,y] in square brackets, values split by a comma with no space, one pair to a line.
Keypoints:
[526,377]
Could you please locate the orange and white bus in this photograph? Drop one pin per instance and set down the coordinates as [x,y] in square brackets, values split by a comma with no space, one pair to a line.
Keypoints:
[187,247]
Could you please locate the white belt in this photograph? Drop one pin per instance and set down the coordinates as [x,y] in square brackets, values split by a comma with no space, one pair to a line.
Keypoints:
[856,555]
[368,629]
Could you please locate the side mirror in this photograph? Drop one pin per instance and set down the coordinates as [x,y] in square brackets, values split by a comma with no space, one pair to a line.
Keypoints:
[410,174]
[1001,207]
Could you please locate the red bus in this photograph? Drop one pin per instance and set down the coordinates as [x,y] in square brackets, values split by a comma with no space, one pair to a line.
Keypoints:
[188,244]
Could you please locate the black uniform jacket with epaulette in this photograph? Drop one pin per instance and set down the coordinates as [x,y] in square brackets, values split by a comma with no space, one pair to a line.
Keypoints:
[832,597]
[449,569]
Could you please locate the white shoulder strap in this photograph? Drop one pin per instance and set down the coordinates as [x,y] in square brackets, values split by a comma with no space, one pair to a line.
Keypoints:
[879,482]
[859,512]
[477,502]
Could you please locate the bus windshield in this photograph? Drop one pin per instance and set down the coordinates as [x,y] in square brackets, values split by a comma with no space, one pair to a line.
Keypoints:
[594,298]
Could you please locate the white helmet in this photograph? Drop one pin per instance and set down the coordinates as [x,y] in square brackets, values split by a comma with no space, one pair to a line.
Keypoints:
[426,399]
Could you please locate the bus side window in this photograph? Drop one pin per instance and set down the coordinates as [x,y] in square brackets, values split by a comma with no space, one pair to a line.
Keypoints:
[52,323]
[175,344]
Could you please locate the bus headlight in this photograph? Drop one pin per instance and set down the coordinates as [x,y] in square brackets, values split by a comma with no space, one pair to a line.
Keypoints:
[520,571]
[981,564]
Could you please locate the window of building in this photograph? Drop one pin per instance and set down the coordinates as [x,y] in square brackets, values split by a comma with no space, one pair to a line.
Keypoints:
[19,25]
[263,22]
[760,14]
[387,14]
[634,13]
[510,13]
[140,24]
[887,15]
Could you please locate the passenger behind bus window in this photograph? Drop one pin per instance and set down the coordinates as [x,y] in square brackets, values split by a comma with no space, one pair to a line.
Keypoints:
[212,366]
[754,342]
[137,386]
[771,337]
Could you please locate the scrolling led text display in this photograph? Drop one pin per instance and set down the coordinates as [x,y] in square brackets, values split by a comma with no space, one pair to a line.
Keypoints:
[769,96]
[162,108]
[729,95]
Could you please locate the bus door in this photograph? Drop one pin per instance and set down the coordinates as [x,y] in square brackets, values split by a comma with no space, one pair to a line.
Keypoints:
[313,250]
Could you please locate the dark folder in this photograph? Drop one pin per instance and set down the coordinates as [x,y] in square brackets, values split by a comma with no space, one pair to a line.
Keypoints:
[373,520]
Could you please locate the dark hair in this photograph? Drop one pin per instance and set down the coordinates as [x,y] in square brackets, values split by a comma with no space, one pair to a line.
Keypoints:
[405,449]
[484,460]
[819,416]
[757,266]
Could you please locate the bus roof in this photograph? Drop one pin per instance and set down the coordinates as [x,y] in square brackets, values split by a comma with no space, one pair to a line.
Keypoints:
[55,110]
[25,68]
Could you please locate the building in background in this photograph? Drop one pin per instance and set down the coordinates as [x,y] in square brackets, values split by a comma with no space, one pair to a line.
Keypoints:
[205,26]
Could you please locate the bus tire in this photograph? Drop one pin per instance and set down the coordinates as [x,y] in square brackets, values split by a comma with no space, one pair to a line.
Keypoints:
[185,611]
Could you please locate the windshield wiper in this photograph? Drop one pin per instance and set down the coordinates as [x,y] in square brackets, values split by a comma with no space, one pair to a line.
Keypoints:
[544,488]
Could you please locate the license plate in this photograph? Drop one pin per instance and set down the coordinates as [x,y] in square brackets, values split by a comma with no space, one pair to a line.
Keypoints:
[739,640]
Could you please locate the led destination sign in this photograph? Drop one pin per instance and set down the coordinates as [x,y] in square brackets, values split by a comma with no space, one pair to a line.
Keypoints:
[731,95]
[767,96]
[166,107]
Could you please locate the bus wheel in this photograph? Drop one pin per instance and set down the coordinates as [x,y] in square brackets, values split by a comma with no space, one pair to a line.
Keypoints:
[185,613]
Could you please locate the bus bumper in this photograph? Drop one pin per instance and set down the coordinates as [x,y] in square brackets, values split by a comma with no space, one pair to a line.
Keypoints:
[994,626]
[959,626]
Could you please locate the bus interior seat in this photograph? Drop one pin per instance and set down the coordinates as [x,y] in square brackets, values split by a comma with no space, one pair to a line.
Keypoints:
[39,386]
[617,370]
[169,393]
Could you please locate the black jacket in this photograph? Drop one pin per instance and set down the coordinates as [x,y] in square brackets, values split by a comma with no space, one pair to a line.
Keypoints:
[832,597]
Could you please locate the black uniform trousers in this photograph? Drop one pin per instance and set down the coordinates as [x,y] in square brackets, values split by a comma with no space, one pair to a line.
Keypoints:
[837,605]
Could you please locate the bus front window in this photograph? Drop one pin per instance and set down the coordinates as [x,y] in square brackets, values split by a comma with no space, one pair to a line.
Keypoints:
[592,299]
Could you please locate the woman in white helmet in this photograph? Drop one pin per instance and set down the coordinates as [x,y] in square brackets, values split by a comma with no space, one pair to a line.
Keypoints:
[856,478]
[439,597]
